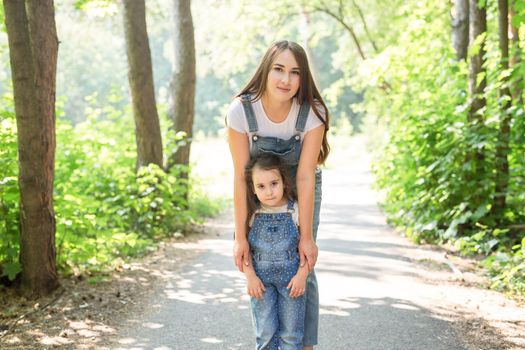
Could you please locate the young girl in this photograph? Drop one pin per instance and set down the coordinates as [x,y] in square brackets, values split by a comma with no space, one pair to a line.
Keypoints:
[275,281]
[281,111]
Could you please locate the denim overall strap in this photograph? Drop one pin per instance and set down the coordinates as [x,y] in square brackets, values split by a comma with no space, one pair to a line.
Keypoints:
[249,113]
[290,208]
[302,117]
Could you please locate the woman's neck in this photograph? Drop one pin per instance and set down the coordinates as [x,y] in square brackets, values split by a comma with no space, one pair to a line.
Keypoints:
[277,111]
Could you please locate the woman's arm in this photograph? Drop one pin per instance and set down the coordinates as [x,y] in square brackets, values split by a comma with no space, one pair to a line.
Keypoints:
[239,149]
[305,193]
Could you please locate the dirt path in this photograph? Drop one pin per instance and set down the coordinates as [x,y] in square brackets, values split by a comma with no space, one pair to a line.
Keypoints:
[378,291]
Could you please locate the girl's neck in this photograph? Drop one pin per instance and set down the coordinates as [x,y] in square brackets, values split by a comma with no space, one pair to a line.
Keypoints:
[277,111]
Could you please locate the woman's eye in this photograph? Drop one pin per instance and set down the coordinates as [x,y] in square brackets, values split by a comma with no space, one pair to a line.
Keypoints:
[295,72]
[260,187]
[278,69]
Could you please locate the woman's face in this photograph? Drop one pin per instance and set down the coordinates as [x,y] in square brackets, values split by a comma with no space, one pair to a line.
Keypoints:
[284,77]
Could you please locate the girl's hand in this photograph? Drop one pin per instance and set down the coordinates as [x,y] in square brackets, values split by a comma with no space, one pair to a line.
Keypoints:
[241,254]
[254,286]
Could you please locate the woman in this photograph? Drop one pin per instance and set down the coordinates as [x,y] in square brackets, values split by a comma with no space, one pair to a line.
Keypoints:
[280,111]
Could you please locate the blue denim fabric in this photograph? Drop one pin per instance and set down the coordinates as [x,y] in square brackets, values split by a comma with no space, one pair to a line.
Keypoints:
[290,151]
[278,318]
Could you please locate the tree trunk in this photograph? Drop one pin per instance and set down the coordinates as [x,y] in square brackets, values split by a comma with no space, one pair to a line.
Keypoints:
[33,50]
[502,148]
[140,74]
[515,57]
[476,159]
[183,83]
[460,28]
[478,26]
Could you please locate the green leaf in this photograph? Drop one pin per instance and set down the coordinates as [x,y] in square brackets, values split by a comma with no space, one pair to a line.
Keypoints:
[11,270]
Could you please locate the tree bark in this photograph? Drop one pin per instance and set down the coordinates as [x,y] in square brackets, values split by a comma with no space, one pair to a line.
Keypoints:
[515,57]
[502,147]
[183,83]
[140,74]
[460,28]
[475,157]
[33,50]
[478,26]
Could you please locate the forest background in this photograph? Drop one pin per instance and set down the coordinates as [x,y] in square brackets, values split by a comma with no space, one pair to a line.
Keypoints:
[445,120]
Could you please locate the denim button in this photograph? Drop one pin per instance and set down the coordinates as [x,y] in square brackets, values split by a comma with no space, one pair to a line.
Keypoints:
[254,137]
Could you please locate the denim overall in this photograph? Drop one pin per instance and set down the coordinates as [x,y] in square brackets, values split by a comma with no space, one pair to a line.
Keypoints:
[278,318]
[290,151]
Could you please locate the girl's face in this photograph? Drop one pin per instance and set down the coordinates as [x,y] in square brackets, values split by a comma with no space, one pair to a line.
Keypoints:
[284,77]
[269,187]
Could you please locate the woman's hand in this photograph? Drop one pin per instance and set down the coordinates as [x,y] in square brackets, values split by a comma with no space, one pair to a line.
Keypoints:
[241,254]
[308,252]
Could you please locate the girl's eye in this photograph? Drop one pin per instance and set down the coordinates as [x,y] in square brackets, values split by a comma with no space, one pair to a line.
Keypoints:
[275,183]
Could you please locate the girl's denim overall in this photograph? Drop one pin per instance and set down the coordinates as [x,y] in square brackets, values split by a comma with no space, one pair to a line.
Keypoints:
[278,318]
[290,151]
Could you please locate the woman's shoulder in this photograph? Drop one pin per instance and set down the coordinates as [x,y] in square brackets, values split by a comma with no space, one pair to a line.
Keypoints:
[235,116]
[319,107]
[235,106]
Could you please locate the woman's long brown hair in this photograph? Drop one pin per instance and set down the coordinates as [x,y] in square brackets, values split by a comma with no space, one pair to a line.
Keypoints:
[307,89]
[264,161]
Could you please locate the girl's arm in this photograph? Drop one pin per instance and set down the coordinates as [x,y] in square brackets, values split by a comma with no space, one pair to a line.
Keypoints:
[239,149]
[305,193]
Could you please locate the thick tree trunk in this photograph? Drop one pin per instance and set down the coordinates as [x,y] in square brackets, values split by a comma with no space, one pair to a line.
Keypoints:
[140,74]
[460,28]
[33,49]
[502,148]
[183,83]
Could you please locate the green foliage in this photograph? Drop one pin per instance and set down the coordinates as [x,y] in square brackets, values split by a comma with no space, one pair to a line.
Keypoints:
[436,186]
[105,211]
[9,194]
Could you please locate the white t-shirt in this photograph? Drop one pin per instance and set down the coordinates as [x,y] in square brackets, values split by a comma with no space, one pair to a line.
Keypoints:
[236,120]
[274,210]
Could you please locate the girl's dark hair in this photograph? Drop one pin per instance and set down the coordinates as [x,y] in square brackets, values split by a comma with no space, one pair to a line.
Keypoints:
[264,161]
[307,92]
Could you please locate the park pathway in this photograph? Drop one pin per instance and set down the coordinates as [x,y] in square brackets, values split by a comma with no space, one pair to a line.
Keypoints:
[372,294]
